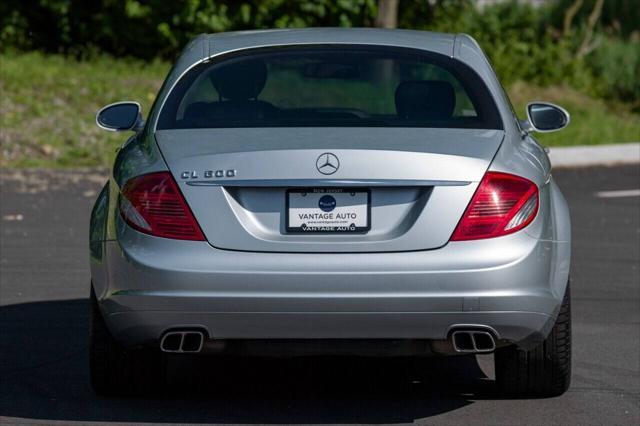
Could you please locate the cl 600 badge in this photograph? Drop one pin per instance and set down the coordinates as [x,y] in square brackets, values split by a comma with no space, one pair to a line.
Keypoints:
[209,174]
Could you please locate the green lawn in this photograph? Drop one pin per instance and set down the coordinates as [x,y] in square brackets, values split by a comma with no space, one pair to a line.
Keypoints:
[593,121]
[48,105]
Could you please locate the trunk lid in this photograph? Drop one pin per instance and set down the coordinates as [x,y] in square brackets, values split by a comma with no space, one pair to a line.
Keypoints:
[420,182]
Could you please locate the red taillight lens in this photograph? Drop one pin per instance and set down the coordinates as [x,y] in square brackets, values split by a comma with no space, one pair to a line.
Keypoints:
[502,204]
[153,204]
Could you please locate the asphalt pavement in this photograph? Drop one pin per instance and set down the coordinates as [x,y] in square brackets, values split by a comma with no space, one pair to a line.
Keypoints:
[44,285]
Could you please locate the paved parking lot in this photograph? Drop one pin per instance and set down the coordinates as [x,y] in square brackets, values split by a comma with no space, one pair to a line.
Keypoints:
[44,282]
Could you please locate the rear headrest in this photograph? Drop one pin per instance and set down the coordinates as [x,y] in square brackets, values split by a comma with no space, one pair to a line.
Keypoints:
[241,80]
[431,100]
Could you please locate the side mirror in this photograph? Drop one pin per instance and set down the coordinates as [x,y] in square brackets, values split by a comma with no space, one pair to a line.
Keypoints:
[120,116]
[545,117]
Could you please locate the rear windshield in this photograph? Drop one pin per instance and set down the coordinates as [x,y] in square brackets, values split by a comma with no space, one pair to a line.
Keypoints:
[353,86]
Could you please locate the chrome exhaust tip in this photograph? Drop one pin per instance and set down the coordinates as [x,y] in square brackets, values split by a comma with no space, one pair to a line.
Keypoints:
[182,341]
[473,341]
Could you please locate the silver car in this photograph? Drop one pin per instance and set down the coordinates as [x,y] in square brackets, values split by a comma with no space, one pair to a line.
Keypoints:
[323,191]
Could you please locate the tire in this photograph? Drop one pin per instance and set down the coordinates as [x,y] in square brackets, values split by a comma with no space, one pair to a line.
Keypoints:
[543,371]
[116,370]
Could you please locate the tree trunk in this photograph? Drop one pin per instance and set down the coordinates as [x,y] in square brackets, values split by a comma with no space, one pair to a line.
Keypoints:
[387,14]
[587,46]
[569,15]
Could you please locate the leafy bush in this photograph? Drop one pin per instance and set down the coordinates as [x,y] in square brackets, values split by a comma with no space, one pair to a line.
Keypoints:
[526,43]
[157,28]
[523,42]
[616,67]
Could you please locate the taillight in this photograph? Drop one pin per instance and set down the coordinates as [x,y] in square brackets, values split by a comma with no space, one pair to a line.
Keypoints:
[153,204]
[502,204]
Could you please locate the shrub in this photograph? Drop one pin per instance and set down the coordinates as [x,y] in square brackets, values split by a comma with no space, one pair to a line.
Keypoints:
[523,42]
[616,68]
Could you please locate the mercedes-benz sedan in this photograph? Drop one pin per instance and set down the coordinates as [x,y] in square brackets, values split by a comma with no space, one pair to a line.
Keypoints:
[326,191]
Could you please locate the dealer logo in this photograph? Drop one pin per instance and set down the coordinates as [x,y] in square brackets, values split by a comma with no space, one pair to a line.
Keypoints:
[327,163]
[327,203]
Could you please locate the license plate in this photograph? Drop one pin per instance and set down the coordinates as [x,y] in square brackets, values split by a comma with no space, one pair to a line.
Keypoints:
[328,210]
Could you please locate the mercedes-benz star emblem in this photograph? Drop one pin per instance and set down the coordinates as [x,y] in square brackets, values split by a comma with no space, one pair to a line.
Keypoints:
[327,163]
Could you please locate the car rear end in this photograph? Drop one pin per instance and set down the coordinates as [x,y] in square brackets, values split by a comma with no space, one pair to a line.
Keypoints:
[311,194]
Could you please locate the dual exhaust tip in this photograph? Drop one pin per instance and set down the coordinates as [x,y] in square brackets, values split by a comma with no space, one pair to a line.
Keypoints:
[182,341]
[473,341]
[464,341]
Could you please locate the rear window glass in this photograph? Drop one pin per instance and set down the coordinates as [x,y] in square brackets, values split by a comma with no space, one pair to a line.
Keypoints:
[330,87]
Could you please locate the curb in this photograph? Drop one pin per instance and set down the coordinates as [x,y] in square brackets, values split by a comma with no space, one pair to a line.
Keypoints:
[600,155]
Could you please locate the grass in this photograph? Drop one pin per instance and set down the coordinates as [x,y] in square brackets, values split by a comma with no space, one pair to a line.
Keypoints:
[593,122]
[48,105]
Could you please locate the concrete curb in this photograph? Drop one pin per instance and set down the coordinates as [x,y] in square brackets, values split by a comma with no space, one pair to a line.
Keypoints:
[599,155]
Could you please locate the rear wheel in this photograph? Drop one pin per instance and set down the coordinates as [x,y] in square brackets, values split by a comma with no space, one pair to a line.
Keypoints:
[544,370]
[116,370]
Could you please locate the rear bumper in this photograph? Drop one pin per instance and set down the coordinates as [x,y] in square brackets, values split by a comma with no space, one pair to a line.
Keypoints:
[146,327]
[512,285]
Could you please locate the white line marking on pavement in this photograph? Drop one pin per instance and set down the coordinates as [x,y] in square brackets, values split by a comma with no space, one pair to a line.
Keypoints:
[616,194]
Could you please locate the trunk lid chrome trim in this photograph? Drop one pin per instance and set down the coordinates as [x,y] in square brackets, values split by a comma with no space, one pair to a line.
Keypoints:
[306,183]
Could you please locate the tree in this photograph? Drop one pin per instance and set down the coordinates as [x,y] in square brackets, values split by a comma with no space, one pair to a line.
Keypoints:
[387,16]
